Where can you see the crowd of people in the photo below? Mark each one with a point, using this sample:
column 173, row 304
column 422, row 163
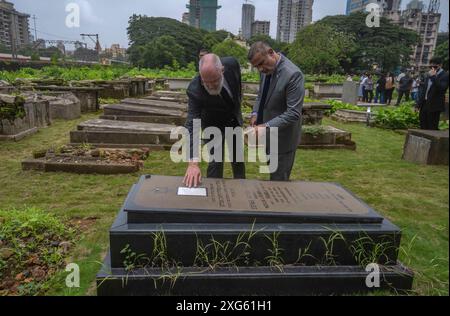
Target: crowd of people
column 380, row 89
column 427, row 90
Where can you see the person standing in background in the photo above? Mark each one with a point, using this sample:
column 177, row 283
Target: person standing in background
column 390, row 87
column 432, row 96
column 380, row 89
column 405, row 82
column 361, row 87
column 415, row 89
column 368, row 89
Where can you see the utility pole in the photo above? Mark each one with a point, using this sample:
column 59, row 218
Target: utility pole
column 13, row 40
column 35, row 30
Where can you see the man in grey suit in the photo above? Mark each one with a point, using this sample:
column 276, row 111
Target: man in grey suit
column 279, row 104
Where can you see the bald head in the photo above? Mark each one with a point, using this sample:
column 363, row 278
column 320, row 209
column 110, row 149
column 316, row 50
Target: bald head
column 211, row 73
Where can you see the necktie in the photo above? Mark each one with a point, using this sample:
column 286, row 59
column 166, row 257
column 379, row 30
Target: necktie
column 262, row 104
column 227, row 98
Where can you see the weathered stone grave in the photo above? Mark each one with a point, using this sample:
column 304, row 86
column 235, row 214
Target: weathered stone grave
column 427, row 147
column 171, row 96
column 22, row 116
column 63, row 105
column 352, row 116
column 122, row 134
column 328, row 90
column 84, row 160
column 314, row 112
column 350, row 92
column 326, row 137
column 88, row 96
column 242, row 237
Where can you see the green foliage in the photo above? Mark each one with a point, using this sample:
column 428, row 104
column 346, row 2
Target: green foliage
column 339, row 105
column 143, row 30
column 403, row 117
column 4, row 49
column 276, row 45
column 320, row 48
column 35, row 56
column 30, row 233
column 86, row 54
column 160, row 52
column 12, row 111
column 314, row 130
column 388, row 45
column 442, row 52
column 229, row 48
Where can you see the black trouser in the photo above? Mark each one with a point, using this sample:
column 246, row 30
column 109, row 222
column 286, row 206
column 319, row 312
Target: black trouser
column 429, row 120
column 400, row 96
column 215, row 168
column 389, row 94
column 285, row 165
column 368, row 96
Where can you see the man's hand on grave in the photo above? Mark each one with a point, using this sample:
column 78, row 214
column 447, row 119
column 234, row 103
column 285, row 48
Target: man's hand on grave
column 193, row 175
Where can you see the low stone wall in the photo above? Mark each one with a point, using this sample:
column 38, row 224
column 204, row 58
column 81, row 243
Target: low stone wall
column 350, row 116
column 328, row 90
column 178, row 84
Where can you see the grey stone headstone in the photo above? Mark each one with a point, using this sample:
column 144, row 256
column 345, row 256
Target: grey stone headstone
column 417, row 150
column 350, row 94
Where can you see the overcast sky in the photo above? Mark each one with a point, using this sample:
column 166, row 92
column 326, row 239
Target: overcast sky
column 109, row 18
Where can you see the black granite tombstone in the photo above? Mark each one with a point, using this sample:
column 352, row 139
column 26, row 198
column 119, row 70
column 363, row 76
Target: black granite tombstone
column 248, row 238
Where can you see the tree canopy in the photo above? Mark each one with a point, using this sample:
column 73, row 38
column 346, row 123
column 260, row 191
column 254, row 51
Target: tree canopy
column 320, row 49
column 388, row 46
column 229, row 48
column 187, row 40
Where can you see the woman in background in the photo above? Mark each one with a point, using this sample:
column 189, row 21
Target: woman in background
column 390, row 87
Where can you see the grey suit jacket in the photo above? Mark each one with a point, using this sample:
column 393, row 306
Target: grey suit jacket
column 284, row 104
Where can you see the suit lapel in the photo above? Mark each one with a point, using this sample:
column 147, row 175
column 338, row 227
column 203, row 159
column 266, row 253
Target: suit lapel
column 274, row 81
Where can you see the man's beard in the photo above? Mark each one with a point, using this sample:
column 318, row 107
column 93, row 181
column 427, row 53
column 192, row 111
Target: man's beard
column 215, row 92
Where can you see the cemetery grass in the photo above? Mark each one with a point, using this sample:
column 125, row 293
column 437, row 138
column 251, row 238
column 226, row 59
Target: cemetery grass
column 415, row 198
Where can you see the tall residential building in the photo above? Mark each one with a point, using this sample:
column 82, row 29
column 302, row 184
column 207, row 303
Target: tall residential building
column 360, row 5
column 293, row 15
column 185, row 18
column 203, row 14
column 426, row 23
column 248, row 17
column 261, row 28
column 14, row 26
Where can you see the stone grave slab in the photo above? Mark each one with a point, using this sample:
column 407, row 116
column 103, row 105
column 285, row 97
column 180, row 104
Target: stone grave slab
column 156, row 199
column 158, row 104
column 123, row 134
column 137, row 110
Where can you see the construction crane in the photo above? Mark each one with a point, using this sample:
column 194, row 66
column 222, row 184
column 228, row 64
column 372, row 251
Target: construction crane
column 434, row 6
column 96, row 41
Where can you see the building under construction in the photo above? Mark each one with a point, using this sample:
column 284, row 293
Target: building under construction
column 203, row 14
column 425, row 20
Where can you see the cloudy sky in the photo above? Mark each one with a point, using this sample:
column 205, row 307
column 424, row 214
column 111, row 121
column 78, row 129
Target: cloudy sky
column 109, row 18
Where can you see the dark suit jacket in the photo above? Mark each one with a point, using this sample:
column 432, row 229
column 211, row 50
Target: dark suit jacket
column 436, row 96
column 284, row 104
column 210, row 109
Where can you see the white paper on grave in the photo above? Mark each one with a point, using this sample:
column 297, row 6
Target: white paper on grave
column 201, row 192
